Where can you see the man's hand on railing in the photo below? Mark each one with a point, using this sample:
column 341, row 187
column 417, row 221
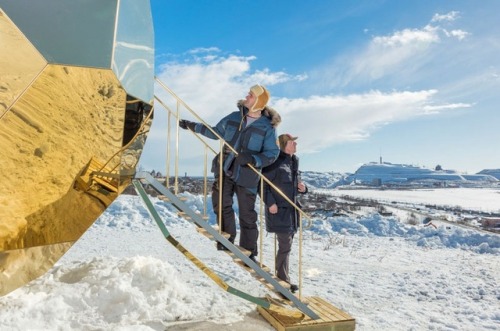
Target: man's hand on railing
column 185, row 124
column 244, row 159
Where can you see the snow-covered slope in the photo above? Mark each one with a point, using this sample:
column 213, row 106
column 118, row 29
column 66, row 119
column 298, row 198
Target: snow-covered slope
column 123, row 275
column 327, row 180
column 388, row 173
column 492, row 172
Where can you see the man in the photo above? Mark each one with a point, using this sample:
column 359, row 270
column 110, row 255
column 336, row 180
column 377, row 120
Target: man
column 281, row 217
column 251, row 131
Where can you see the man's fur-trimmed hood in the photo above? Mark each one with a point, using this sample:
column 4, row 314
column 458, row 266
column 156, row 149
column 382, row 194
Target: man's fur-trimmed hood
column 268, row 112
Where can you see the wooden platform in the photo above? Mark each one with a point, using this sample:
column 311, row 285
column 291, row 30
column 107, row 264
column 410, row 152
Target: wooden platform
column 332, row 318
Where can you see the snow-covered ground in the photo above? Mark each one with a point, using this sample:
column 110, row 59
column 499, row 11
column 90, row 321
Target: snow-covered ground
column 123, row 275
column 480, row 199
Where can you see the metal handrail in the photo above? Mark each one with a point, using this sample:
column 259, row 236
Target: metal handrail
column 223, row 145
column 209, row 127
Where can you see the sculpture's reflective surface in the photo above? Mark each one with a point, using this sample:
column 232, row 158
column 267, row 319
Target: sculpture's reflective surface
column 72, row 128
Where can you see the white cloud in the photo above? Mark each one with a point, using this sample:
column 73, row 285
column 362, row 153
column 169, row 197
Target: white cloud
column 383, row 56
column 430, row 109
column 212, row 89
column 451, row 16
column 213, row 84
column 323, row 121
column 203, row 50
column 386, row 54
column 397, row 57
column 459, row 34
column 427, row 35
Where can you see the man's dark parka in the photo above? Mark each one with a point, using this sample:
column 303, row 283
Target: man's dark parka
column 258, row 139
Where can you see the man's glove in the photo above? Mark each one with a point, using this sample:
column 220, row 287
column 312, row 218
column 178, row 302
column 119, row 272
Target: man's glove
column 245, row 158
column 185, row 124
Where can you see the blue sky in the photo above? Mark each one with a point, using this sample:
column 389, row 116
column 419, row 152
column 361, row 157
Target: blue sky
column 416, row 82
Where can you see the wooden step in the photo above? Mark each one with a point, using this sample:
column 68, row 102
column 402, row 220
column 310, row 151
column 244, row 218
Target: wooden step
column 242, row 264
column 281, row 282
column 163, row 198
column 271, row 287
column 183, row 214
column 262, row 280
column 244, row 250
column 209, row 236
column 263, row 267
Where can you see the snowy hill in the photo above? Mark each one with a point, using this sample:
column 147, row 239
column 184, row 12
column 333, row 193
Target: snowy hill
column 492, row 172
column 387, row 173
column 326, row 180
column 376, row 174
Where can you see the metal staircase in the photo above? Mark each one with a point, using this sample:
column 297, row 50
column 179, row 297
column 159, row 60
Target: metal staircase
column 281, row 301
column 239, row 255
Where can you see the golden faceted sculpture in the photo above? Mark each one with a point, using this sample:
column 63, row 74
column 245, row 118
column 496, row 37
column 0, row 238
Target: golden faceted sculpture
column 76, row 96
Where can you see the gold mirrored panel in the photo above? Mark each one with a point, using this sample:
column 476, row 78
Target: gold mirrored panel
column 133, row 56
column 18, row 267
column 70, row 135
column 20, row 62
column 68, row 123
column 71, row 32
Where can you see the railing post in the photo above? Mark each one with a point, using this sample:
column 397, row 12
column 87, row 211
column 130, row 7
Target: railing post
column 261, row 217
column 176, row 187
column 169, row 128
column 300, row 256
column 205, row 183
column 221, row 182
column 275, row 252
